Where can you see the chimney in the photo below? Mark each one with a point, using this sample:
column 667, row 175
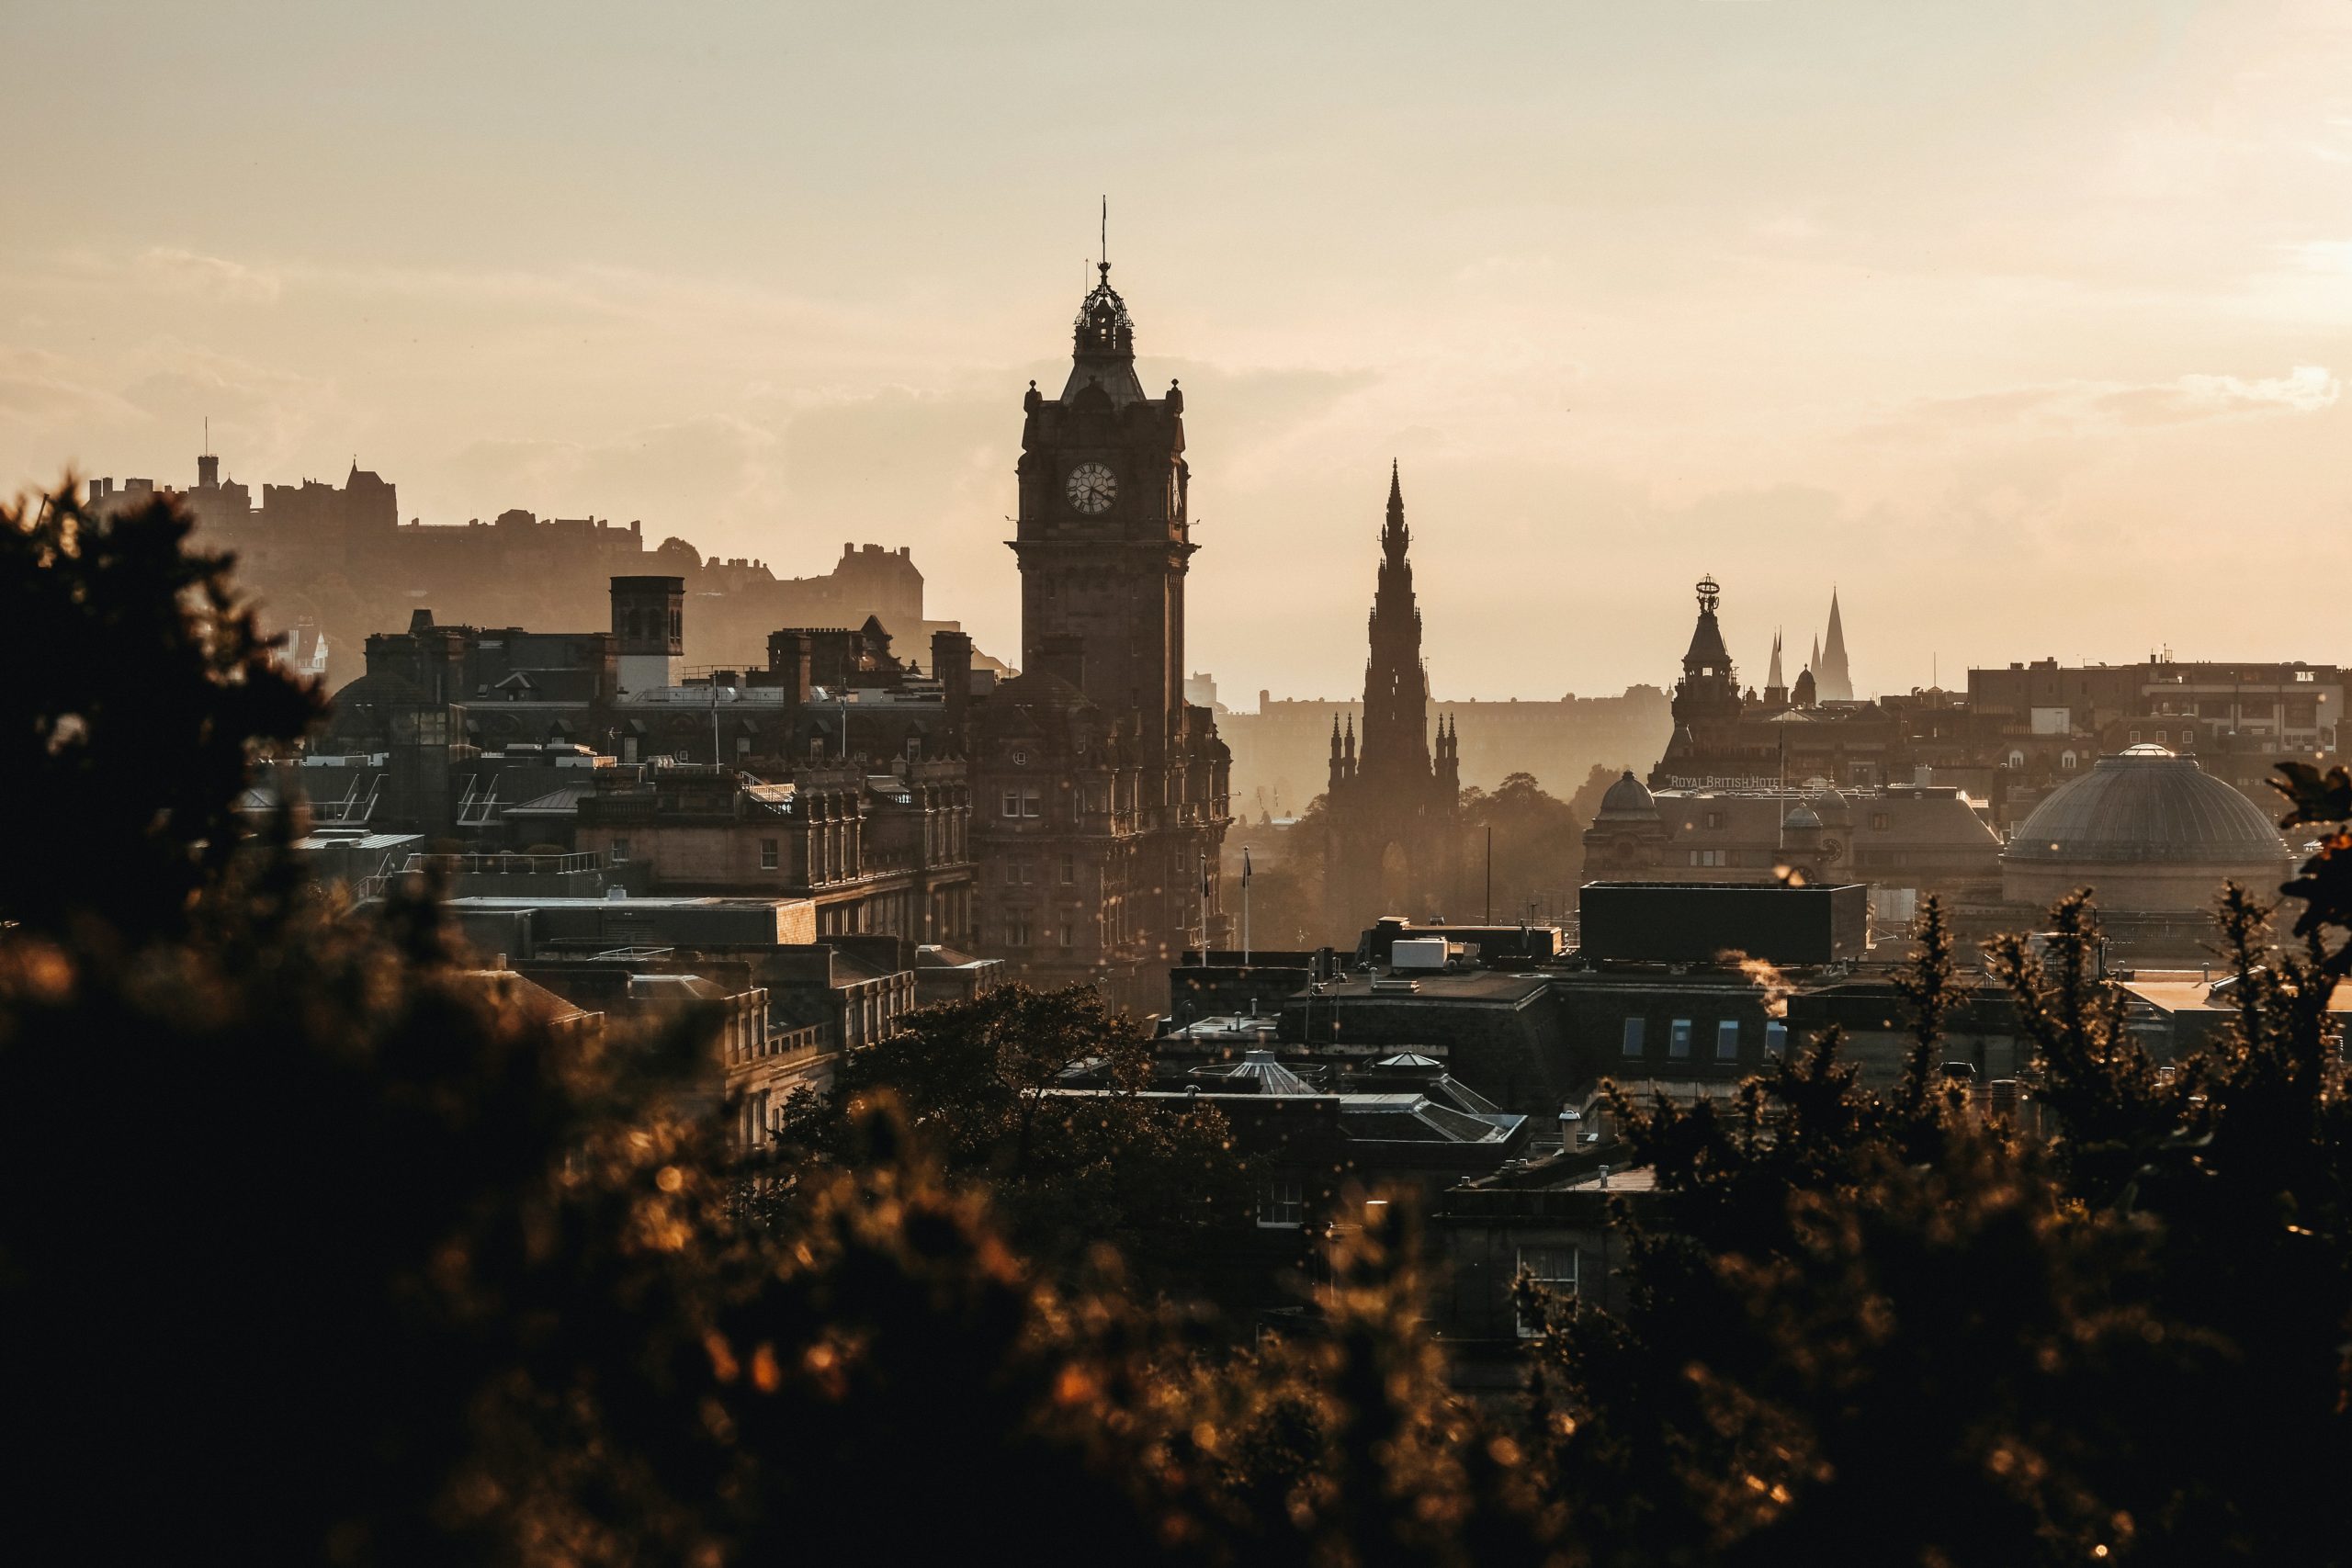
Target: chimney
column 790, row 656
column 951, row 661
column 419, row 621
column 1064, row 654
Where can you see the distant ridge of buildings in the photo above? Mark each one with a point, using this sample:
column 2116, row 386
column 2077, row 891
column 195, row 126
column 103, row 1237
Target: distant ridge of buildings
column 334, row 563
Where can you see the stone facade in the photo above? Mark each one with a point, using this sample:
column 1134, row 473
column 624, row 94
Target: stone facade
column 1101, row 793
column 886, row 853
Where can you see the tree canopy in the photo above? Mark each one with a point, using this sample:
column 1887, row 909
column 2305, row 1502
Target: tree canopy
column 1041, row 1097
column 324, row 1245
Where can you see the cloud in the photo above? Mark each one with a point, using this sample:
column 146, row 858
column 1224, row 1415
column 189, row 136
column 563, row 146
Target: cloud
column 39, row 389
column 2074, row 408
column 2306, row 389
column 210, row 278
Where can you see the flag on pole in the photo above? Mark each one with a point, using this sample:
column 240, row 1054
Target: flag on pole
column 1245, row 863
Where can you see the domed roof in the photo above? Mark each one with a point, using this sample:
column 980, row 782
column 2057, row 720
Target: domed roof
column 1628, row 797
column 1832, row 806
column 381, row 686
column 2147, row 805
column 1804, row 817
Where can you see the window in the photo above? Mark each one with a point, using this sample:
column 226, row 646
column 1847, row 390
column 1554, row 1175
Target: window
column 1070, row 871
column 1677, row 1038
column 1776, row 1038
column 1551, row 1269
column 769, row 854
column 1880, row 821
column 1709, row 857
column 1068, row 934
column 620, row 851
column 1714, row 819
column 2135, row 737
column 1012, row 803
column 1281, row 1204
column 2066, row 760
column 2162, row 736
column 1728, row 1040
column 742, row 746
column 1032, row 802
column 2017, row 758
column 1633, row 1036
column 1017, row 931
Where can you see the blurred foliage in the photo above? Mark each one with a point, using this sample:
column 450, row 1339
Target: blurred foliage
column 1040, row 1096
column 322, row 1244
column 149, row 685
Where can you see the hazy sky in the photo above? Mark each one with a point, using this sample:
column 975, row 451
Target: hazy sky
column 2027, row 323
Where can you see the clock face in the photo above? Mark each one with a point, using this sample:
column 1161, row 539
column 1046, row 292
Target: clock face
column 1092, row 488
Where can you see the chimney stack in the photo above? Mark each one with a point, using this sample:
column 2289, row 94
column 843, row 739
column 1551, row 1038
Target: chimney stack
column 791, row 655
column 951, row 663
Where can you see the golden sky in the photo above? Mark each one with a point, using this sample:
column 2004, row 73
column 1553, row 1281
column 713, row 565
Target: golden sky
column 2024, row 321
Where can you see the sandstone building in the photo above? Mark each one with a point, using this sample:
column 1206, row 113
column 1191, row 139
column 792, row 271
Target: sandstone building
column 1099, row 791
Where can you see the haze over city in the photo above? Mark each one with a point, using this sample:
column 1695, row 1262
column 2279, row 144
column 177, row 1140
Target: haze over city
column 1527, row 785
column 1999, row 317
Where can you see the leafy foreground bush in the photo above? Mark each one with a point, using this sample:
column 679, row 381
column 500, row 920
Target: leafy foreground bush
column 321, row 1246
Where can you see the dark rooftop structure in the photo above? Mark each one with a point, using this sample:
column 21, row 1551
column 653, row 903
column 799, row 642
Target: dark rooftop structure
column 1692, row 922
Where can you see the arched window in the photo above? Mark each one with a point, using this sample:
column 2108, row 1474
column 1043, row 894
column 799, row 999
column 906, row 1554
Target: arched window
column 2017, row 761
column 2066, row 760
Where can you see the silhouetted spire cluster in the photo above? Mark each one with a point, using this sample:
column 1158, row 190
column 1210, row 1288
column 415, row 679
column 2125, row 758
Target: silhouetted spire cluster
column 1395, row 684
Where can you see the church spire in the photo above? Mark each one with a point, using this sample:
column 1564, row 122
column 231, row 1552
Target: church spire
column 1396, row 685
column 1837, row 681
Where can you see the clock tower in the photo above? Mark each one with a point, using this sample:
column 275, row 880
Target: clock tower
column 1102, row 537
column 1102, row 792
